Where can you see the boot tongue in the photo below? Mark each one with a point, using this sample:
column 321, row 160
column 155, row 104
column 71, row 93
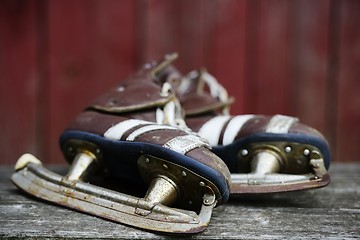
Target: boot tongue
column 196, row 99
column 142, row 90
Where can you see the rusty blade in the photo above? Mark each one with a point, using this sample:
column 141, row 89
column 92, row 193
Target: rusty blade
column 272, row 183
column 42, row 183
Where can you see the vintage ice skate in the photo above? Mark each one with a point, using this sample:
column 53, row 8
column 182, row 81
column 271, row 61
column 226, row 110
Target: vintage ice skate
column 136, row 133
column 264, row 153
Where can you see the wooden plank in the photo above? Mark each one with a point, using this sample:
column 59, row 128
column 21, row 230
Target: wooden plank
column 186, row 27
column 58, row 64
column 309, row 58
column 205, row 33
column 252, row 42
column 272, row 59
column 157, row 30
column 90, row 50
column 328, row 213
column 228, row 51
column 19, row 79
column 348, row 84
column 192, row 30
column 198, row 28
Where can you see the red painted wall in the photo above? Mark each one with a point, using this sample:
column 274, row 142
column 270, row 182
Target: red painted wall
column 298, row 58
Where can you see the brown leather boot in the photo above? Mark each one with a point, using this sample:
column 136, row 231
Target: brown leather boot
column 137, row 134
column 264, row 153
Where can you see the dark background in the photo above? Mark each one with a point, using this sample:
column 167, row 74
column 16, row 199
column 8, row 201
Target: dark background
column 300, row 58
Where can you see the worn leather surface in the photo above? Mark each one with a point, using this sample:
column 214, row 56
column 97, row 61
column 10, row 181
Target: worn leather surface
column 138, row 92
column 138, row 97
column 200, row 107
column 99, row 123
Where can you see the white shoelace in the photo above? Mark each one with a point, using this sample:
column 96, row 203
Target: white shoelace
column 170, row 114
column 216, row 89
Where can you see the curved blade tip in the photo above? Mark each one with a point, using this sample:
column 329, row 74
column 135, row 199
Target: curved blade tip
column 26, row 159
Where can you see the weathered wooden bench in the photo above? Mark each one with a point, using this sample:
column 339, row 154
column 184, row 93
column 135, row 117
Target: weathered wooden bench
column 332, row 212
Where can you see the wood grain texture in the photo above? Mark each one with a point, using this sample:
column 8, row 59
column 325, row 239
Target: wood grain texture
column 332, row 212
column 309, row 66
column 228, row 52
column 267, row 46
column 19, row 72
column 90, row 51
column 298, row 58
column 347, row 83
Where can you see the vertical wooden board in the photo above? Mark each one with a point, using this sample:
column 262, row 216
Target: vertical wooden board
column 192, row 34
column 205, row 33
column 266, row 57
column 18, row 79
column 309, row 58
column 164, row 27
column 228, row 50
column 197, row 33
column 199, row 29
column 157, row 29
column 272, row 92
column 71, row 68
column 348, row 108
column 187, row 27
column 251, row 55
column 91, row 48
column 114, row 43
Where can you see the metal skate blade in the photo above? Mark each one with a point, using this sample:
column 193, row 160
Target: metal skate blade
column 275, row 182
column 42, row 183
column 279, row 167
column 265, row 181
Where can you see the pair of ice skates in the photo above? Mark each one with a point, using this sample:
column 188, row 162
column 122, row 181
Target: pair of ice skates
column 173, row 136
